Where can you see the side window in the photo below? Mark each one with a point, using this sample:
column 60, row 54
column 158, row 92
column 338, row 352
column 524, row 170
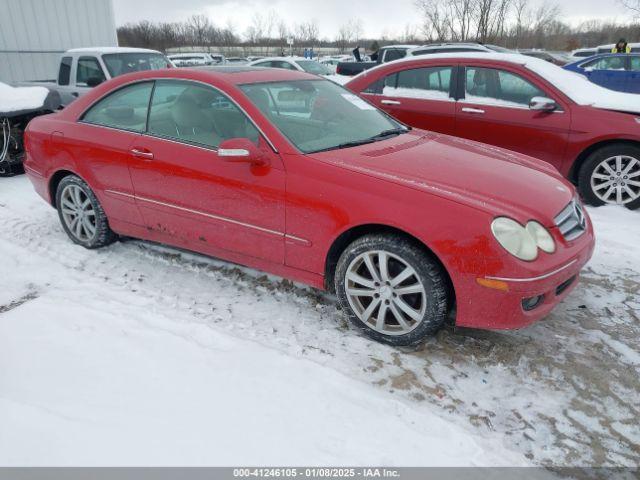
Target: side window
column 376, row 87
column 393, row 54
column 197, row 114
column 634, row 63
column 88, row 67
column 64, row 75
column 605, row 63
column 426, row 83
column 499, row 87
column 263, row 64
column 285, row 65
column 126, row 108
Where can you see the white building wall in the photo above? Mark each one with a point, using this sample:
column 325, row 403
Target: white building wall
column 34, row 33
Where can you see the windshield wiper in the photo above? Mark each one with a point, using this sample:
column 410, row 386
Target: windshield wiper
column 390, row 132
column 353, row 143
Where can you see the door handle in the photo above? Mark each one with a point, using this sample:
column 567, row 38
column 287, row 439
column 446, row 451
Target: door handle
column 141, row 154
column 390, row 102
column 75, row 94
column 477, row 111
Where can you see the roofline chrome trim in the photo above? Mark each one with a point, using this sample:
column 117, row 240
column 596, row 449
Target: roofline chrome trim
column 533, row 279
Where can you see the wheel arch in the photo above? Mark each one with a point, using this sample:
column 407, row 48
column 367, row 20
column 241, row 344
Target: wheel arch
column 349, row 236
column 581, row 158
column 55, row 180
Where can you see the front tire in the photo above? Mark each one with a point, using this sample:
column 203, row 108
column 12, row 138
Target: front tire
column 392, row 289
column 81, row 214
column 611, row 175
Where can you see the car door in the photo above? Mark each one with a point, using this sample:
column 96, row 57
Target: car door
column 103, row 139
column 421, row 97
column 608, row 71
column 633, row 83
column 494, row 109
column 189, row 194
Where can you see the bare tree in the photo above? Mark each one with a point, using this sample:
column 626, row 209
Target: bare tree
column 632, row 5
column 200, row 26
column 343, row 38
column 436, row 22
column 490, row 16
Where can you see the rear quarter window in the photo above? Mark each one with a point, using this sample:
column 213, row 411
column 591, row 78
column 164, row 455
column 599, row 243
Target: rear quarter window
column 125, row 108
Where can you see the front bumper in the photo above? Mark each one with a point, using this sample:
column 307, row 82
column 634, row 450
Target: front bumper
column 488, row 308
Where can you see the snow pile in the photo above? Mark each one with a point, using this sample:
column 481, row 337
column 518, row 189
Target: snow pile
column 138, row 354
column 15, row 99
column 95, row 371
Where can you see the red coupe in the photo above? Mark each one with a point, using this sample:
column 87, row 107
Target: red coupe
column 590, row 134
column 292, row 174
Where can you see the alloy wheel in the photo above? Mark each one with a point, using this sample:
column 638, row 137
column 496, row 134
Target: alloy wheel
column 385, row 292
column 78, row 213
column 616, row 180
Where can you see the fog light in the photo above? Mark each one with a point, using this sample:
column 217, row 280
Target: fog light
column 529, row 304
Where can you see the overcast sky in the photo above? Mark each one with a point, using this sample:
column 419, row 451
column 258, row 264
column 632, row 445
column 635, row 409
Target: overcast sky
column 378, row 16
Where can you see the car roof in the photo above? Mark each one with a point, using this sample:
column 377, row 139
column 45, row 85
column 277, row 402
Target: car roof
column 102, row 50
column 399, row 46
column 229, row 75
column 609, row 54
column 436, row 46
column 191, row 54
column 294, row 59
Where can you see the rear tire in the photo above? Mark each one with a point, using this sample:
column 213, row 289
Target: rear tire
column 81, row 214
column 391, row 289
column 611, row 175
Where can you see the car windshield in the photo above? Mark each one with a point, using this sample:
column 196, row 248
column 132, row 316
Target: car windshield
column 318, row 115
column 121, row 63
column 311, row 66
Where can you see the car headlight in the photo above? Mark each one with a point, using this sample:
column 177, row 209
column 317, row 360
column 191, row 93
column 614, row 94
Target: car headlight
column 515, row 238
column 542, row 237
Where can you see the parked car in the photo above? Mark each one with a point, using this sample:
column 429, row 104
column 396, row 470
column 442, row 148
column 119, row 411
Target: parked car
column 455, row 47
column 524, row 104
column 196, row 59
column 81, row 69
column 294, row 63
column 385, row 54
column 581, row 53
column 330, row 63
column 237, row 60
column 615, row 71
column 552, row 57
column 290, row 173
column 635, row 47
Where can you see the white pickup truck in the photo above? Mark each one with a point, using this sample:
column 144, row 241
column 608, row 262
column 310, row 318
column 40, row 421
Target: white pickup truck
column 84, row 68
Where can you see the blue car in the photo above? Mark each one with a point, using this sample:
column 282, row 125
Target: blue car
column 614, row 71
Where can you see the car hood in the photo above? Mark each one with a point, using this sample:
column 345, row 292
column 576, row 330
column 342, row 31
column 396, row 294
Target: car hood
column 488, row 178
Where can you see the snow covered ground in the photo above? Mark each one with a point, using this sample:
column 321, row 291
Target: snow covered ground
column 139, row 354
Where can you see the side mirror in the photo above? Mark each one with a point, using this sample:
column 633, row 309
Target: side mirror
column 542, row 104
column 94, row 81
column 241, row 150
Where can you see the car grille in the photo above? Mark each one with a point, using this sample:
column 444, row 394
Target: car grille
column 571, row 221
